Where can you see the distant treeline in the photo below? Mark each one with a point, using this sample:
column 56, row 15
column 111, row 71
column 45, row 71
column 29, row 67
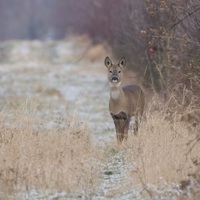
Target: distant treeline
column 158, row 37
column 50, row 19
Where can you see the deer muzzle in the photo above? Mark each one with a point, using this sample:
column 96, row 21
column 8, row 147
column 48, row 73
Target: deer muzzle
column 115, row 79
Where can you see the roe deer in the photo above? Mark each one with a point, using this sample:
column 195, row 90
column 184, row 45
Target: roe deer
column 125, row 102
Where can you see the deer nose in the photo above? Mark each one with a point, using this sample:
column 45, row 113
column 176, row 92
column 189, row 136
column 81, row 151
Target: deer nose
column 115, row 79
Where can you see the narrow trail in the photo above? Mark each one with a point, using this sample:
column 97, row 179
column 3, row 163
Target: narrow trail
column 116, row 182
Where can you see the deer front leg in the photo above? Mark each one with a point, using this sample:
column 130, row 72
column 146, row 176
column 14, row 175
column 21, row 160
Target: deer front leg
column 119, row 129
column 121, row 122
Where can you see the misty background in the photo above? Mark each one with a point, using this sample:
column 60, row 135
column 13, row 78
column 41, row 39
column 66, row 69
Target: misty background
column 50, row 19
column 130, row 28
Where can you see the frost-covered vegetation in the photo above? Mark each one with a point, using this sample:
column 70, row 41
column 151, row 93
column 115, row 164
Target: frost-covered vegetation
column 57, row 138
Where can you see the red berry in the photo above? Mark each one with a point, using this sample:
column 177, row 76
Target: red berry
column 151, row 51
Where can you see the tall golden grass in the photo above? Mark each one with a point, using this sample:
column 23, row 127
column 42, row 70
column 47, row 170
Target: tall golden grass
column 166, row 150
column 32, row 157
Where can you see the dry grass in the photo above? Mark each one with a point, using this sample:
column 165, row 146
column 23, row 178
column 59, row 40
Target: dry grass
column 57, row 159
column 166, row 150
column 97, row 52
column 64, row 159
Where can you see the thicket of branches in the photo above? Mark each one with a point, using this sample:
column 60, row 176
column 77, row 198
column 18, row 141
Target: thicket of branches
column 169, row 27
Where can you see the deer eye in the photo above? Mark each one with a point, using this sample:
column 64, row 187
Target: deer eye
column 119, row 71
column 110, row 71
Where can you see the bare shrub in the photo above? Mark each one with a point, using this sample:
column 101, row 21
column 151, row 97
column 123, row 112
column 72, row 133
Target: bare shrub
column 176, row 43
column 57, row 159
column 169, row 27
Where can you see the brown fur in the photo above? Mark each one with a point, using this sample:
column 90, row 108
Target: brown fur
column 125, row 102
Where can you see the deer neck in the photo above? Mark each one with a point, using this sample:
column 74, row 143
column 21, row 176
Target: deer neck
column 116, row 93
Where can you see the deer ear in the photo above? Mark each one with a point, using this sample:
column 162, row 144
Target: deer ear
column 108, row 62
column 122, row 63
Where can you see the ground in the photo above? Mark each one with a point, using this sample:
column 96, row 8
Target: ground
column 54, row 109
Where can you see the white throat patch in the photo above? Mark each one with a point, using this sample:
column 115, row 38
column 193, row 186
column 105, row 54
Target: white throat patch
column 115, row 94
column 115, row 84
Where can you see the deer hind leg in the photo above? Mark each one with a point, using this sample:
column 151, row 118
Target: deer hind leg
column 136, row 125
column 126, row 127
column 138, row 117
